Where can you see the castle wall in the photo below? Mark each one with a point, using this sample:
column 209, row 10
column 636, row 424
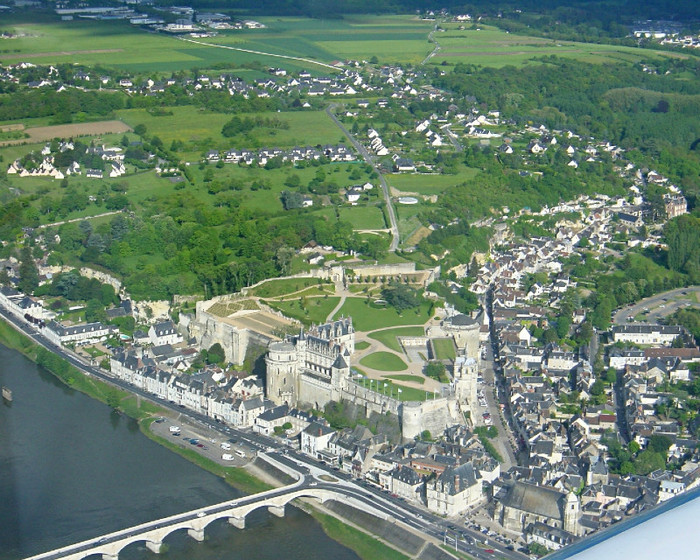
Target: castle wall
column 208, row 330
column 432, row 415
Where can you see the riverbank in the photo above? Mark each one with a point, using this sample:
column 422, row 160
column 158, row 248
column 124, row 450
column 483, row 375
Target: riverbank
column 249, row 480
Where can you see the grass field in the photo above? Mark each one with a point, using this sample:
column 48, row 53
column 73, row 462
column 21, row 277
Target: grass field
column 383, row 361
column 363, row 217
column 282, row 286
column 405, row 377
column 192, row 126
column 366, row 546
column 493, row 47
column 367, row 318
column 392, row 388
column 120, row 45
column 428, row 184
column 389, row 338
column 315, row 311
column 444, row 349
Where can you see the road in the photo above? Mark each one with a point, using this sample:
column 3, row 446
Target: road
column 80, row 219
column 504, row 442
column 431, row 38
column 385, row 188
column 297, row 58
column 660, row 305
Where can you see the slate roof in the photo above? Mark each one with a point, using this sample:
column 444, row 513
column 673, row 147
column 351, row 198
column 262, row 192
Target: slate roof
column 534, row 499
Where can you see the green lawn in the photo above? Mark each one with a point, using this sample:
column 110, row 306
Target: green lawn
column 383, row 361
column 389, row 338
column 428, row 184
column 282, row 286
column 367, row 318
column 363, row 217
column 392, row 389
column 365, row 546
column 444, row 349
column 411, row 378
column 316, row 309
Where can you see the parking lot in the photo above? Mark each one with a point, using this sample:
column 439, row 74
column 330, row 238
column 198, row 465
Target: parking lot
column 207, row 442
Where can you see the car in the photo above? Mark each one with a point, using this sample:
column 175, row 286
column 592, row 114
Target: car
column 201, row 514
column 313, row 483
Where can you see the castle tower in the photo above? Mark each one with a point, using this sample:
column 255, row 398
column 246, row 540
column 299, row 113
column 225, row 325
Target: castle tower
column 465, row 331
column 465, row 374
column 281, row 364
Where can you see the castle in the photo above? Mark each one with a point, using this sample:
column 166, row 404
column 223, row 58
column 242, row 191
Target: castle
column 312, row 367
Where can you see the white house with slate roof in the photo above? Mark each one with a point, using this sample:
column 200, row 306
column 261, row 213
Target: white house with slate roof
column 646, row 333
column 164, row 333
column 80, row 334
column 455, row 490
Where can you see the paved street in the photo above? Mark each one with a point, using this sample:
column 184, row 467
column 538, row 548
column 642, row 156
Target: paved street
column 661, row 305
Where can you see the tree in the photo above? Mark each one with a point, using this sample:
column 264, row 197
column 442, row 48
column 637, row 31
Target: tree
column 659, row 443
column 28, row 272
column 436, row 370
column 113, row 398
column 216, row 354
column 401, row 297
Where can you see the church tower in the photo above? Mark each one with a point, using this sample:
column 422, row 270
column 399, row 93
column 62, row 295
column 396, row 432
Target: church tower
column 572, row 510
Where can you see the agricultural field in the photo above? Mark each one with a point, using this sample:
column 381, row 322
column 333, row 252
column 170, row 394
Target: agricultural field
column 197, row 128
column 496, row 48
column 121, row 45
column 357, row 37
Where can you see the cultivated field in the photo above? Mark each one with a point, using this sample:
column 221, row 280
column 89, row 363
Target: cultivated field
column 43, row 133
column 120, row 45
column 490, row 46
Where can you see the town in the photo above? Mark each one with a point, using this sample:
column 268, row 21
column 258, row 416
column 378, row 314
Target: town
column 521, row 362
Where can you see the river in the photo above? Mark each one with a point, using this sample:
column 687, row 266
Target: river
column 70, row 470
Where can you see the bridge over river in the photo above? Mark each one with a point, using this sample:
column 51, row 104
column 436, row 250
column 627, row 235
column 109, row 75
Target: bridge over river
column 235, row 511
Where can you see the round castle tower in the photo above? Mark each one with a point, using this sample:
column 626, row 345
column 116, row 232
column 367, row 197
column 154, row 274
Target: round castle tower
column 281, row 363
